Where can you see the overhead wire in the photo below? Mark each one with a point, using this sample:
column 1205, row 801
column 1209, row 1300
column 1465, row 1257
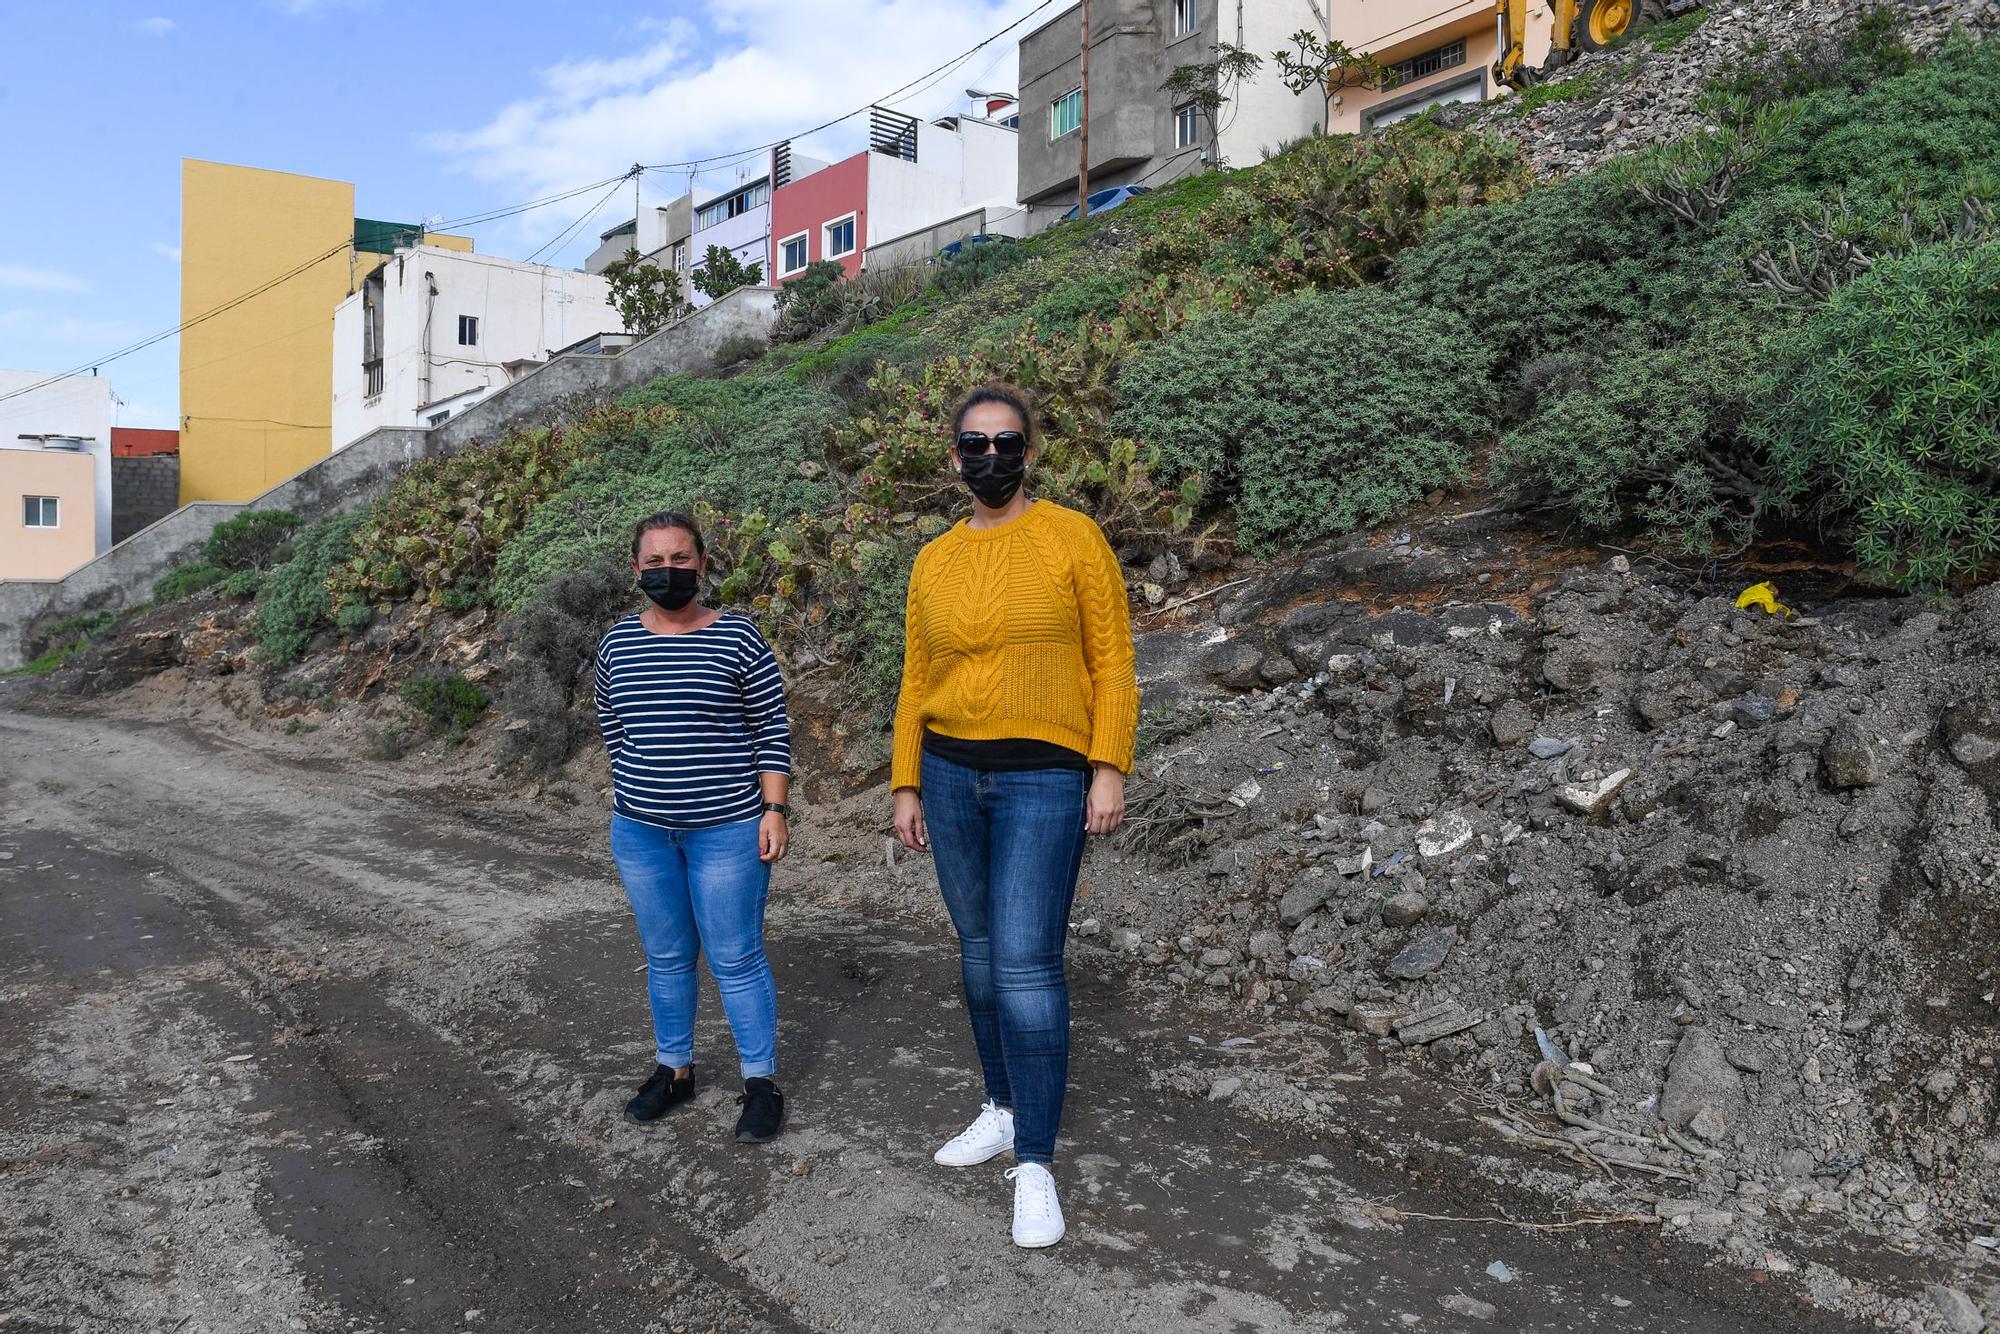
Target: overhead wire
column 492, row 215
column 563, row 237
column 928, row 79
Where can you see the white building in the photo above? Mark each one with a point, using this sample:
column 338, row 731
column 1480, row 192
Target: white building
column 434, row 331
column 55, row 473
column 737, row 216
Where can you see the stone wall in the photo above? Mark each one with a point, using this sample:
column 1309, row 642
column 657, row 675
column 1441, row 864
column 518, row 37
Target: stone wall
column 144, row 489
column 123, row 577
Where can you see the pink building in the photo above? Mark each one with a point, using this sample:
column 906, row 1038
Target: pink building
column 913, row 177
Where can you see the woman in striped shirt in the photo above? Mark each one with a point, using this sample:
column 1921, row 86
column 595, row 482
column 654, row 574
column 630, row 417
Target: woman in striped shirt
column 693, row 714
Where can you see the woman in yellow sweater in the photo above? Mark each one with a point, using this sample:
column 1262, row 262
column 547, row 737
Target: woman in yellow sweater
column 1014, row 734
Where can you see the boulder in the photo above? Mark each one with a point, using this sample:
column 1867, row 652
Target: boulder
column 1424, row 957
column 1700, row 1078
column 1847, row 757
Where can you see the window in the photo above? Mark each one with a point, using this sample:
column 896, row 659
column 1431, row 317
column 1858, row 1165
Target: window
column 373, row 370
column 839, row 238
column 1187, row 125
column 39, row 511
column 680, row 257
column 468, row 331
column 1449, row 56
column 1187, row 16
column 439, row 418
column 729, row 206
column 1066, row 114
column 792, row 254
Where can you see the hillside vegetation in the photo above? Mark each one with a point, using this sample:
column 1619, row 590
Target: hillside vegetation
column 1788, row 323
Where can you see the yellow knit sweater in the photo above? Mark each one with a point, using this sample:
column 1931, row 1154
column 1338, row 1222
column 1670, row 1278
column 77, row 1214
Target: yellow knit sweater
column 1019, row 631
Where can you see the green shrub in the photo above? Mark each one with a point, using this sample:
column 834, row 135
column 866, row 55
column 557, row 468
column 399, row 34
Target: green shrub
column 999, row 304
column 296, row 602
column 1580, row 88
column 249, row 540
column 183, row 580
column 1094, row 296
column 441, row 527
column 1883, row 413
column 549, row 646
column 844, row 366
column 869, row 627
column 743, row 445
column 448, row 701
column 1669, row 34
column 1319, row 413
column 1554, row 270
column 1644, row 429
column 808, row 302
column 243, row 584
column 1918, row 142
column 974, row 266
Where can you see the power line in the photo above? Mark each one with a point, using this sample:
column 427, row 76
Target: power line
column 287, row 277
column 563, row 236
column 697, row 163
column 692, row 165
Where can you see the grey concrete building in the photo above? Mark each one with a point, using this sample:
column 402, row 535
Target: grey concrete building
column 661, row 233
column 1137, row 135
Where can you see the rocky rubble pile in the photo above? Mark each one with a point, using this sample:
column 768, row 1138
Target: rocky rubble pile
column 1638, row 96
column 1732, row 862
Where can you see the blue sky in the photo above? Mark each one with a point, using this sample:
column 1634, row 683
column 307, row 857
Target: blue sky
column 429, row 109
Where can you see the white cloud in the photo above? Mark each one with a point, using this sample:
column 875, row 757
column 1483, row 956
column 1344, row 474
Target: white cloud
column 156, row 26
column 39, row 280
column 171, row 253
column 739, row 73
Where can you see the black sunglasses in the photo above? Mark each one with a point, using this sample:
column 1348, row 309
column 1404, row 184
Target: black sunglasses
column 1007, row 444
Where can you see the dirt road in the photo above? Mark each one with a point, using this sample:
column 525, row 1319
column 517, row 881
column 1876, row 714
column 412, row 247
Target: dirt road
column 287, row 1048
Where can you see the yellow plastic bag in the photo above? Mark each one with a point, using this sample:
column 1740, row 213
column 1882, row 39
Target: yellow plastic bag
column 1764, row 597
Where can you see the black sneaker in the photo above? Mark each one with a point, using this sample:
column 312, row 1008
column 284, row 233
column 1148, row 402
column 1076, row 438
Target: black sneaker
column 659, row 1094
column 763, row 1112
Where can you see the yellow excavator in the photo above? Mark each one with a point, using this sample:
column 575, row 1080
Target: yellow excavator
column 1571, row 26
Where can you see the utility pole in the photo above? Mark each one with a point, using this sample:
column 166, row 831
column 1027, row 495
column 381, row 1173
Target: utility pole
column 637, row 172
column 1083, row 115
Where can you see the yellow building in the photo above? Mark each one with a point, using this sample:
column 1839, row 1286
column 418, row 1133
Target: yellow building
column 265, row 257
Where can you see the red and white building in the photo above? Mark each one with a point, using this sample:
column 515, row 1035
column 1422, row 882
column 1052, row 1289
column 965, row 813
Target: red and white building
column 914, row 177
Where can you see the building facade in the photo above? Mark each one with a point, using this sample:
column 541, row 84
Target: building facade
column 737, row 216
column 55, row 473
column 434, row 330
column 265, row 258
column 1139, row 135
column 662, row 233
column 1435, row 53
column 913, row 176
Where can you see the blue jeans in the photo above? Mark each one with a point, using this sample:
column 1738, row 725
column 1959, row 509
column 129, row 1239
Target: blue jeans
column 1008, row 846
column 696, row 890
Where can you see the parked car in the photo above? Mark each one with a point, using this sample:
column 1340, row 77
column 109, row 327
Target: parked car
column 1110, row 198
column 960, row 246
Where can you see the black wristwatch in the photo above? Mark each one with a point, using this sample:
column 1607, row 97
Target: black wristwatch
column 780, row 807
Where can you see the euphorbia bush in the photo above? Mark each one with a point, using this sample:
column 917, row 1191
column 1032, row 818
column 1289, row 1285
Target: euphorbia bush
column 1884, row 414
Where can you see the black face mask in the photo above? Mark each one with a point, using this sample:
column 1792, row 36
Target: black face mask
column 994, row 478
column 671, row 586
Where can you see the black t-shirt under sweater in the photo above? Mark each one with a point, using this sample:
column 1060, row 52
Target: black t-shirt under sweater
column 1012, row 753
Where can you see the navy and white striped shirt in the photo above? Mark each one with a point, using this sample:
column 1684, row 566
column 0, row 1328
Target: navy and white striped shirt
column 690, row 720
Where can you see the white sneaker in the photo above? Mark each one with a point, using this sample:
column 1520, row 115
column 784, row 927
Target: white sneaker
column 1038, row 1219
column 989, row 1136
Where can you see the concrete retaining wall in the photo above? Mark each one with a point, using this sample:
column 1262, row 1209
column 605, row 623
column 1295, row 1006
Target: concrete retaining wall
column 123, row 577
column 145, row 488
